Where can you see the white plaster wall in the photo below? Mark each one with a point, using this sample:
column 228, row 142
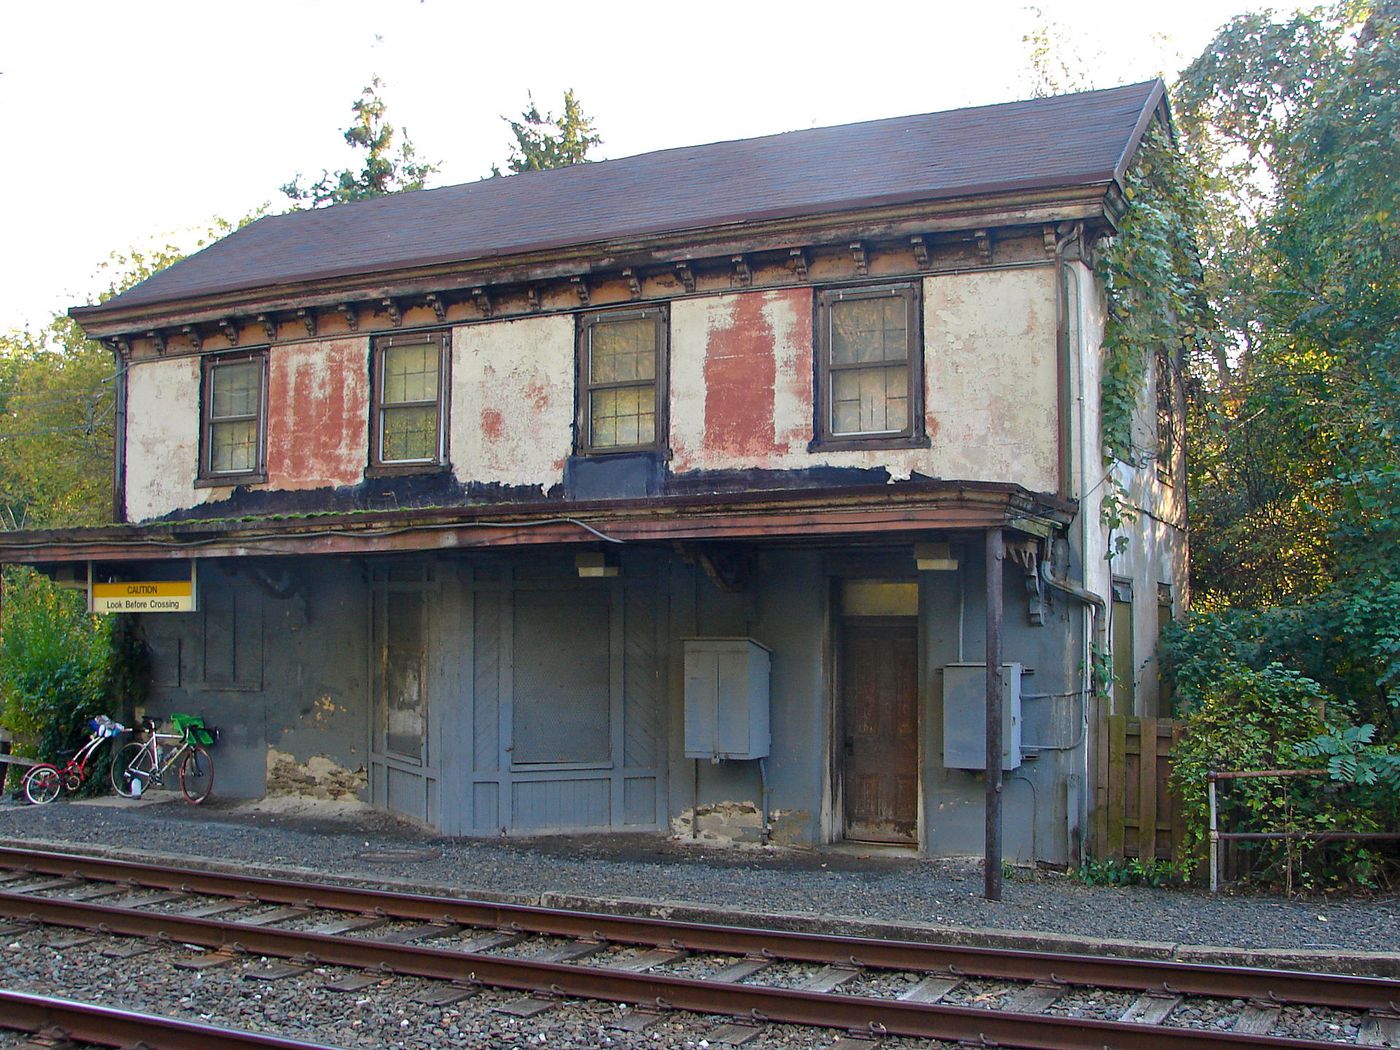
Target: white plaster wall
column 513, row 401
column 990, row 376
column 991, row 397
column 162, row 438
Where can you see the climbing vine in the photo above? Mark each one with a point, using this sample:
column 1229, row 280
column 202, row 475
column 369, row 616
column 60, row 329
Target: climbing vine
column 1151, row 273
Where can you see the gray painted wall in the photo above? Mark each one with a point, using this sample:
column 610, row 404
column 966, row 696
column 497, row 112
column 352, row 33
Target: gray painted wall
column 293, row 674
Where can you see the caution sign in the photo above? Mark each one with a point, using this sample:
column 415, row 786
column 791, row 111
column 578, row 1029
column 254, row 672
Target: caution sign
column 153, row 596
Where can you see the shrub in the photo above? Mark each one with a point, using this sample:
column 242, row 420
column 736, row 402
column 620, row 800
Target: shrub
column 55, row 665
column 1247, row 719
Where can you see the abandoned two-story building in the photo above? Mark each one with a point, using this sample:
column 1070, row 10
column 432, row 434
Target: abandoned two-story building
column 655, row 493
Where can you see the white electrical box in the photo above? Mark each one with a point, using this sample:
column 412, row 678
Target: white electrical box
column 965, row 716
column 726, row 698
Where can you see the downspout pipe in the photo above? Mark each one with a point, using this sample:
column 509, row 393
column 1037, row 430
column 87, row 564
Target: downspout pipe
column 1095, row 602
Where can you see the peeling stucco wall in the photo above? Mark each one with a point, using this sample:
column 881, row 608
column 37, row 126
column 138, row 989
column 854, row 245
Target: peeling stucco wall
column 742, row 389
column 513, row 401
column 162, row 438
column 741, row 380
column 990, row 376
column 318, row 408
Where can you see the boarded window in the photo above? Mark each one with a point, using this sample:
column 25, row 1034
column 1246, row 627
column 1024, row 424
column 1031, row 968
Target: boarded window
column 1124, row 676
column 869, row 370
column 621, row 366
column 561, row 688
column 1166, row 417
column 235, row 400
column 402, row 698
column 408, row 402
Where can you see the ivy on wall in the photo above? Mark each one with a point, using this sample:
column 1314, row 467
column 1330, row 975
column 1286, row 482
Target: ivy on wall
column 1151, row 274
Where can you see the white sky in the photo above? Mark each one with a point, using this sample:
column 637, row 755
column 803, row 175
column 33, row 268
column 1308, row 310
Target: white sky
column 134, row 120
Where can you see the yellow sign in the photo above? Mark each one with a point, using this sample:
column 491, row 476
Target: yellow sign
column 151, row 596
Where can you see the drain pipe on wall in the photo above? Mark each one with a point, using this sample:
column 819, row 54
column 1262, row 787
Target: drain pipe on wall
column 1096, row 633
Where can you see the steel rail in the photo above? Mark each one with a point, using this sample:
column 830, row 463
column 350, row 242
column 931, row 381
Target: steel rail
column 885, row 1017
column 1144, row 975
column 107, row 1026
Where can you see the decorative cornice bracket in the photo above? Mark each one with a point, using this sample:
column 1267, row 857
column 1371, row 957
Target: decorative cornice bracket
column 859, row 257
column 797, row 259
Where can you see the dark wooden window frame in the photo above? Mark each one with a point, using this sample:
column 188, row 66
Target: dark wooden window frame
column 209, row 365
column 583, row 425
column 378, row 466
column 912, row 435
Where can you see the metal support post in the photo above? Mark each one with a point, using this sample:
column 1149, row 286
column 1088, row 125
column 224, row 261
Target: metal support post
column 995, row 557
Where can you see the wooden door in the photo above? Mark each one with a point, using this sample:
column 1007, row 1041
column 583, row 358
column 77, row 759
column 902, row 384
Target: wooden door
column 880, row 691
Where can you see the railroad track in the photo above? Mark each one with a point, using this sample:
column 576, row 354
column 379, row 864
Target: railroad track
column 863, row 986
column 63, row 1022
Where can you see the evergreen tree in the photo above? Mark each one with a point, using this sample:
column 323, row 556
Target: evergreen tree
column 544, row 141
column 383, row 171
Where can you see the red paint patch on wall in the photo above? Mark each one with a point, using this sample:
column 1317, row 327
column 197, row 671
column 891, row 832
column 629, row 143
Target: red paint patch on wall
column 491, row 423
column 317, row 415
column 740, row 371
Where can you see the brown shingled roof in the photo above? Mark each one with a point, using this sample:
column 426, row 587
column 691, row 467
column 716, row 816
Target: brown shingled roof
column 1065, row 141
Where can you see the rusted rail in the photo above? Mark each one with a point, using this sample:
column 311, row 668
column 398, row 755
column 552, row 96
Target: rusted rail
column 1357, row 993
column 105, row 1026
column 928, row 1019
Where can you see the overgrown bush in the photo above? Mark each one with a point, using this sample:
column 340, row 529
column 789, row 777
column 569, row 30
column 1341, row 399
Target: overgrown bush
column 1240, row 718
column 56, row 665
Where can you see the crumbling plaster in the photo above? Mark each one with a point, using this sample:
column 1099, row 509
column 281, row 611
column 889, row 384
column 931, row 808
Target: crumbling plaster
column 512, row 406
column 742, row 389
column 318, row 404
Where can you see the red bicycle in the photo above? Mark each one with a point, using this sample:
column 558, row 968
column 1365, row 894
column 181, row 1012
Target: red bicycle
column 44, row 782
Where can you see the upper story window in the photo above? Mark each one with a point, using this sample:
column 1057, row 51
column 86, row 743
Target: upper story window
column 870, row 367
column 234, row 418
column 622, row 380
column 1166, row 417
column 408, row 428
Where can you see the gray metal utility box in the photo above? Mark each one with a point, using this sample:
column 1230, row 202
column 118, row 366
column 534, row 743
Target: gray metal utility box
column 965, row 716
column 726, row 698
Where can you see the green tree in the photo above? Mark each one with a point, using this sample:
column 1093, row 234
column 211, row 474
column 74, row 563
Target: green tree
column 544, row 141
column 1296, row 488
column 57, row 400
column 383, row 170
column 1295, row 448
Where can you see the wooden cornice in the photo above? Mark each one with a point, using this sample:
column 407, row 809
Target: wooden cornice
column 597, row 261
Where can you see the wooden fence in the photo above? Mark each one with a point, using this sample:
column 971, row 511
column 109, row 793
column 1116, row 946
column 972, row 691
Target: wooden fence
column 1135, row 813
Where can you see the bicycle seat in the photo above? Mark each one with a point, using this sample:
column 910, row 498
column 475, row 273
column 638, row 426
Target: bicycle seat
column 150, row 724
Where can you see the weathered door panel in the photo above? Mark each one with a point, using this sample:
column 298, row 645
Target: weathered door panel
column 562, row 676
column 879, row 695
column 403, row 771
column 568, row 730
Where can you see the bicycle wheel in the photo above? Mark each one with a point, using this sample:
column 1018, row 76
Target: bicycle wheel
column 196, row 774
column 42, row 784
column 131, row 770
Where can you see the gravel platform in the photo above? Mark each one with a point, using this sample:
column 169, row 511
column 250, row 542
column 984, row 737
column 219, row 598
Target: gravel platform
column 870, row 893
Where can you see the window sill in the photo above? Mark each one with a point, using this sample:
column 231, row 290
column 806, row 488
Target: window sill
column 228, row 481
column 395, row 470
column 622, row 450
column 852, row 444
